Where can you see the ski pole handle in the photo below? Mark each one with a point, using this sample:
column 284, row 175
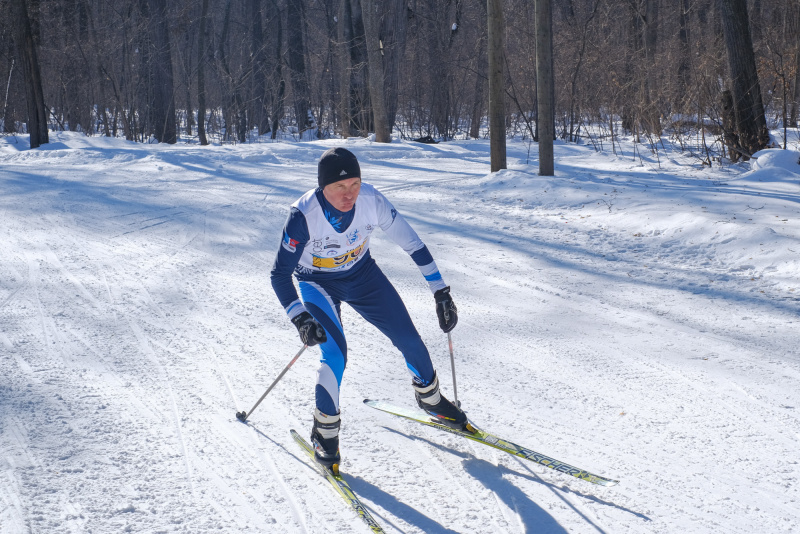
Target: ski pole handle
column 242, row 416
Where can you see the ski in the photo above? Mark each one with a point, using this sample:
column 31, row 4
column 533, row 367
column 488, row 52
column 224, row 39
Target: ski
column 493, row 441
column 340, row 485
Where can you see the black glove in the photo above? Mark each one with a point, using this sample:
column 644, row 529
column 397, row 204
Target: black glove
column 311, row 332
column 445, row 309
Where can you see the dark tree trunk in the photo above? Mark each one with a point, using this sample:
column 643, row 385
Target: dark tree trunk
column 394, row 37
column 684, row 50
column 728, row 115
column 481, row 80
column 278, row 99
column 354, row 96
column 187, row 72
column 630, row 117
column 640, row 114
column 296, row 55
column 750, row 121
column 375, row 57
column 162, row 93
column 70, row 101
column 442, row 87
column 650, row 114
column 233, row 114
column 497, row 106
column 357, row 92
column 345, row 28
column 258, row 55
column 29, row 59
column 796, row 89
column 544, row 85
column 201, row 74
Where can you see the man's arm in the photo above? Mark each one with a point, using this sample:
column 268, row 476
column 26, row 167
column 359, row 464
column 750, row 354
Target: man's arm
column 295, row 236
column 399, row 231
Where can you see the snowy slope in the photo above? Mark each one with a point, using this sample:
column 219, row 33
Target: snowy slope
column 636, row 319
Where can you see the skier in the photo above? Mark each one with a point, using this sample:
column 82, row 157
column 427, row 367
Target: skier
column 326, row 245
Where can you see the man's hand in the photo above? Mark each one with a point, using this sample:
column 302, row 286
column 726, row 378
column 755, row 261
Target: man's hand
column 446, row 309
column 311, row 332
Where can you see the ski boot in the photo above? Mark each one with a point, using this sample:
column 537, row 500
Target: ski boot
column 435, row 404
column 325, row 439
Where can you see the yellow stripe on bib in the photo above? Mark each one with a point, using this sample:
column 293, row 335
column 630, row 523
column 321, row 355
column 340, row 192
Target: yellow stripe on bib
column 338, row 261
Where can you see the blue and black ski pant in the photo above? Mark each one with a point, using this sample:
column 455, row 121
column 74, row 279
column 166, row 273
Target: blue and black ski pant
column 371, row 294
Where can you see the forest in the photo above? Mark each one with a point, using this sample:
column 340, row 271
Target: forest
column 236, row 71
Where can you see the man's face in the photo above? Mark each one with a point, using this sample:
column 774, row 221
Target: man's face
column 343, row 194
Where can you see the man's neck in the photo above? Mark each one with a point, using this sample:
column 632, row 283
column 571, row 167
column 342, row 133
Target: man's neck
column 340, row 220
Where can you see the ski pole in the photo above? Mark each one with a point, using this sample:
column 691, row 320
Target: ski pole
column 242, row 416
column 453, row 367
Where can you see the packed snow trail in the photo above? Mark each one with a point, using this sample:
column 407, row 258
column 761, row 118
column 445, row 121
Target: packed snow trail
column 635, row 319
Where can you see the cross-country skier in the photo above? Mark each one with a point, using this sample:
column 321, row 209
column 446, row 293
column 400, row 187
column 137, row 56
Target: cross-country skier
column 326, row 246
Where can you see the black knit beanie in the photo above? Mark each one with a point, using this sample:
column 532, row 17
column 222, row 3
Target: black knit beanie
column 337, row 164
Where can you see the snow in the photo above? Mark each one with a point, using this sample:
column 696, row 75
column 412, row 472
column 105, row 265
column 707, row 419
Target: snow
column 636, row 316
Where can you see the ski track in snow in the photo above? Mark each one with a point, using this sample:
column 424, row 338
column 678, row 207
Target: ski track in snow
column 638, row 321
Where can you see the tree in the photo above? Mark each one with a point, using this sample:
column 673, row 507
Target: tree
column 277, row 79
column 650, row 115
column 497, row 106
column 301, row 91
column 479, row 90
column 750, row 125
column 370, row 16
column 159, row 65
column 354, row 97
column 393, row 39
column 544, row 85
column 640, row 113
column 29, row 58
column 259, row 58
column 201, row 74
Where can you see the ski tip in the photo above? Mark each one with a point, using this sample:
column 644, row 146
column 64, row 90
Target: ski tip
column 597, row 479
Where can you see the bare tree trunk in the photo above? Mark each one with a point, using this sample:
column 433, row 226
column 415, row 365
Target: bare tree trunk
column 796, row 90
column 357, row 94
column 258, row 56
column 345, row 39
column 234, row 115
column 162, row 103
column 544, row 85
column 201, row 74
column 34, row 95
column 574, row 106
column 394, row 34
column 684, row 51
column 375, row 58
column 278, row 100
column 748, row 107
column 187, row 73
column 296, row 55
column 650, row 113
column 497, row 106
column 479, row 95
column 630, row 113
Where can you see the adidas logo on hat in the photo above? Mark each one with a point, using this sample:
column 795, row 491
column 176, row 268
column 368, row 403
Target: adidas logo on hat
column 343, row 173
